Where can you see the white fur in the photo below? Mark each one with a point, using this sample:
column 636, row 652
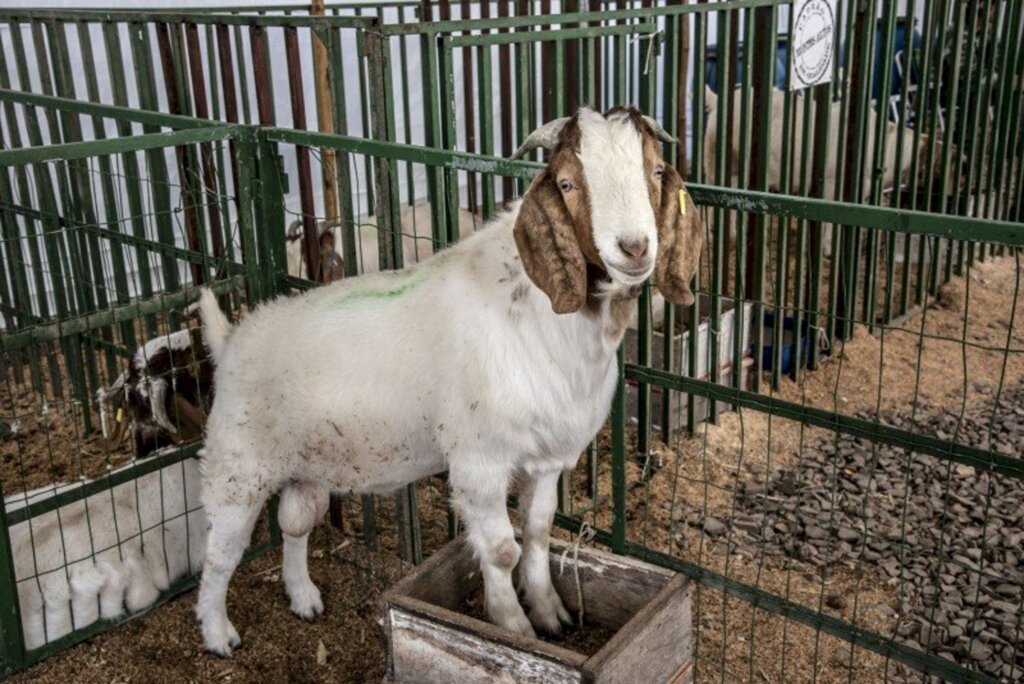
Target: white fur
column 91, row 559
column 457, row 363
column 611, row 152
column 216, row 328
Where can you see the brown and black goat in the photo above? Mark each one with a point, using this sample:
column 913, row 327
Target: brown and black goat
column 164, row 395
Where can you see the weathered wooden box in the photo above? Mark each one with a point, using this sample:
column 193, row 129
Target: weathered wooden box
column 648, row 608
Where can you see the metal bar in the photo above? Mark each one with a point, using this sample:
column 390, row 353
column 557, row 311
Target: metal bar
column 343, row 161
column 901, row 220
column 12, row 639
column 159, row 185
column 540, row 36
column 74, row 325
column 129, row 160
column 526, row 19
column 93, row 148
column 227, row 82
column 101, row 484
column 618, row 419
column 113, row 235
column 310, row 239
column 177, row 104
column 250, row 20
column 324, row 112
column 833, row 421
column 201, row 108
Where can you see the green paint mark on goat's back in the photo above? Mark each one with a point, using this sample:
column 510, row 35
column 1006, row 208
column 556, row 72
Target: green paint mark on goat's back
column 409, row 281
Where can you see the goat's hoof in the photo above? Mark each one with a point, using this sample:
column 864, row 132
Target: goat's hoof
column 220, row 637
column 549, row 614
column 306, row 602
column 514, row 621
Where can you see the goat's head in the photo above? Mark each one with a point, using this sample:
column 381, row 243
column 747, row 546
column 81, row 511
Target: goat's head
column 608, row 199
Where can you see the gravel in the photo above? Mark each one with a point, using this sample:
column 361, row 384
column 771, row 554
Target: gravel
column 947, row 537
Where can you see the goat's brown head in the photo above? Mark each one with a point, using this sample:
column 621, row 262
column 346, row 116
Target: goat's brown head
column 608, row 199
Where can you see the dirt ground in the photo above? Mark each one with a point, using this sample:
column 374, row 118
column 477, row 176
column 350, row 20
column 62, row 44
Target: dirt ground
column 951, row 356
column 163, row 645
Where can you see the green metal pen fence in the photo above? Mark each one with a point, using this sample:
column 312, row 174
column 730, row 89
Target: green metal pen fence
column 795, row 282
column 614, row 493
column 104, row 242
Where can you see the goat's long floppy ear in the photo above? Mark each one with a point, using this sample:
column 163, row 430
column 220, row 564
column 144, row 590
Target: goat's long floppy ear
column 548, row 248
column 680, row 234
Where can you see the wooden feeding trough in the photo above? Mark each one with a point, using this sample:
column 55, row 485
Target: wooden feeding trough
column 646, row 610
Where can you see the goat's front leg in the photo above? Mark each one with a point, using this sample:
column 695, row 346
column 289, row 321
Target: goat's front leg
column 480, row 494
column 537, row 502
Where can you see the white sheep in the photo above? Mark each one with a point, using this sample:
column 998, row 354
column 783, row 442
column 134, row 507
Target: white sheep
column 112, row 551
column 494, row 359
column 890, row 175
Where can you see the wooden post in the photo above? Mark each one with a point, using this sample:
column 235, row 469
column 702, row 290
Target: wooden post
column 328, row 171
column 325, row 116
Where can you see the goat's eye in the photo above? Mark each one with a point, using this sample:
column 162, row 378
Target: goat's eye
column 659, row 172
column 565, row 184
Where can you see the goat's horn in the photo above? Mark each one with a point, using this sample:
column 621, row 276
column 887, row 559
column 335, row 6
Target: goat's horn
column 546, row 136
column 660, row 132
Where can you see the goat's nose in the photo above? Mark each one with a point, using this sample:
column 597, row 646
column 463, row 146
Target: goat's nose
column 636, row 249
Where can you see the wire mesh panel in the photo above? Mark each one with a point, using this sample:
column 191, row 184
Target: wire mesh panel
column 106, row 380
column 869, row 500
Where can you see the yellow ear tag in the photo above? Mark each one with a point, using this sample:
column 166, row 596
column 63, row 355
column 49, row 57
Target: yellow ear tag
column 120, row 415
column 682, row 202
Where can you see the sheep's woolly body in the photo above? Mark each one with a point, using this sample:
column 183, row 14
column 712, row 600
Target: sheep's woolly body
column 112, row 552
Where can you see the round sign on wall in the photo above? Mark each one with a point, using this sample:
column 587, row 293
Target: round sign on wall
column 812, row 42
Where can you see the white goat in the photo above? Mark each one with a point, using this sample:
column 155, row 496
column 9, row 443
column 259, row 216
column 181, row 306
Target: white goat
column 113, row 550
column 494, row 359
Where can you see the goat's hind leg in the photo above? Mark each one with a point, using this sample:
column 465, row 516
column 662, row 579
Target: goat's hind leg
column 232, row 506
column 302, row 506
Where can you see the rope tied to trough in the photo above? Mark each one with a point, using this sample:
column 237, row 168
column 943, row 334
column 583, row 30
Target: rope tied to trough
column 586, row 536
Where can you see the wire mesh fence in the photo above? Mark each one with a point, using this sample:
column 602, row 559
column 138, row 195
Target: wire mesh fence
column 827, row 440
column 106, row 381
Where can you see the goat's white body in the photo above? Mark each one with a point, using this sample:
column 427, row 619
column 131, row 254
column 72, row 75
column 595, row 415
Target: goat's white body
column 460, row 362
column 469, row 362
column 115, row 550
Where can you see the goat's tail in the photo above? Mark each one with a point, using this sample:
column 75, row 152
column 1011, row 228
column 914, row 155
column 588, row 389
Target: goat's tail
column 216, row 326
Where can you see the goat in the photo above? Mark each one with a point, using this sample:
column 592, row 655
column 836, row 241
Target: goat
column 115, row 550
column 417, row 242
column 165, row 393
column 522, row 319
